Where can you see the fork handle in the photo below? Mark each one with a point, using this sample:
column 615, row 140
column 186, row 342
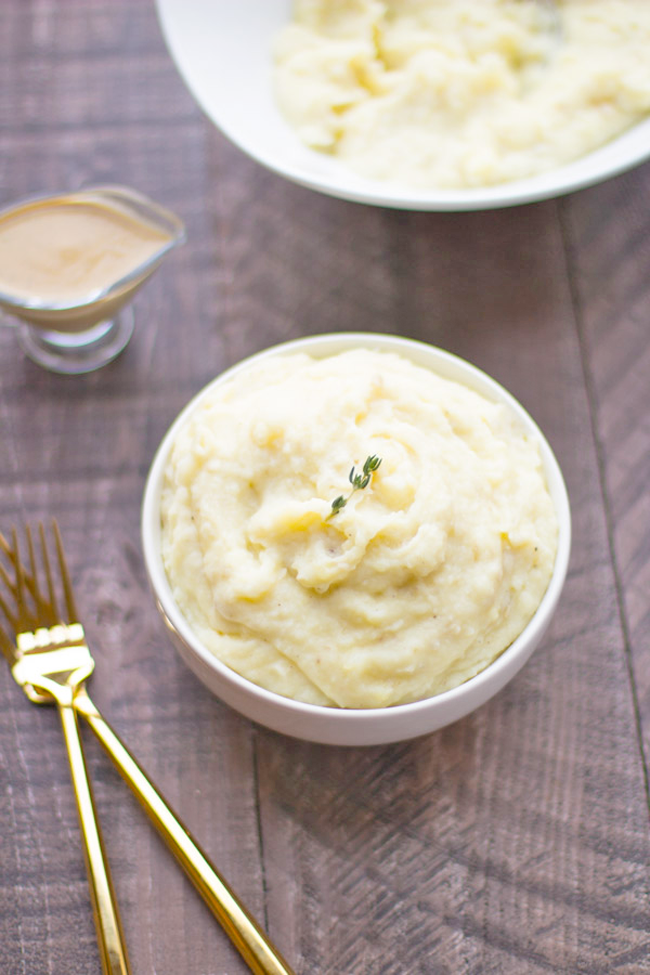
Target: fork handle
column 247, row 936
column 112, row 947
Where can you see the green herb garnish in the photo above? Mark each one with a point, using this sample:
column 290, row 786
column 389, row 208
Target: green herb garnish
column 358, row 482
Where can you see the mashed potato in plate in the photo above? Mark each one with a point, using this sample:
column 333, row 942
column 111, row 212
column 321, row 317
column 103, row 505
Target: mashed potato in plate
column 419, row 582
column 462, row 93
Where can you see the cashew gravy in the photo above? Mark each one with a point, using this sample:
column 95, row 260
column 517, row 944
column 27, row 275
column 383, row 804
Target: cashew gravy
column 62, row 252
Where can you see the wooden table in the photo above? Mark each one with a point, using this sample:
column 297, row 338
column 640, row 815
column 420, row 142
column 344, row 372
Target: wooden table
column 515, row 841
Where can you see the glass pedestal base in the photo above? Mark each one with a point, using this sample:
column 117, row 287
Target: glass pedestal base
column 72, row 353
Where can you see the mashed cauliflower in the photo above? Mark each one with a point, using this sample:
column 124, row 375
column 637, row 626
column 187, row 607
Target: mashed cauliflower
column 418, row 583
column 462, row 93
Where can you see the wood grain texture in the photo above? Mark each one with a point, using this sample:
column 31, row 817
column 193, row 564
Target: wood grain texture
column 608, row 238
column 515, row 841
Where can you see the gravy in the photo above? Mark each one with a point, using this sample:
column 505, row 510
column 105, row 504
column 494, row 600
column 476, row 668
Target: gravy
column 62, row 251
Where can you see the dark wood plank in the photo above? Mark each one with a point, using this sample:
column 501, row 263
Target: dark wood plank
column 515, row 841
column 608, row 234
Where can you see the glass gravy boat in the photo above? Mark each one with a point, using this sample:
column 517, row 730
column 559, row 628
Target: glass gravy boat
column 78, row 259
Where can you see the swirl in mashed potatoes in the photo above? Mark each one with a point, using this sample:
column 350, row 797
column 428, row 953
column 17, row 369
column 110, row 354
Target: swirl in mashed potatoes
column 462, row 93
column 416, row 585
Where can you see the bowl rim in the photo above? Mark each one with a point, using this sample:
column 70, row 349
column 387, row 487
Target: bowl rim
column 612, row 158
column 497, row 673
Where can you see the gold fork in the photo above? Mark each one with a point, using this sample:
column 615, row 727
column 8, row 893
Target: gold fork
column 50, row 660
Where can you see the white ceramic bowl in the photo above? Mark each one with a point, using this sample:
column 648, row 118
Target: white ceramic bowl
column 338, row 726
column 223, row 52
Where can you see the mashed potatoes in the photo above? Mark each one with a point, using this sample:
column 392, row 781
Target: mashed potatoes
column 418, row 583
column 462, row 93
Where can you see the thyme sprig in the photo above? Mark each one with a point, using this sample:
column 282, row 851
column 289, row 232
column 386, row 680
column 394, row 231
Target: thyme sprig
column 358, row 482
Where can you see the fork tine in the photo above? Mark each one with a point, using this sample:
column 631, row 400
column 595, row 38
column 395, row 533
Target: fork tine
column 21, row 603
column 34, row 588
column 65, row 575
column 40, row 607
column 6, row 644
column 7, row 647
column 4, row 577
column 48, row 574
column 4, row 545
column 11, row 619
column 46, row 606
